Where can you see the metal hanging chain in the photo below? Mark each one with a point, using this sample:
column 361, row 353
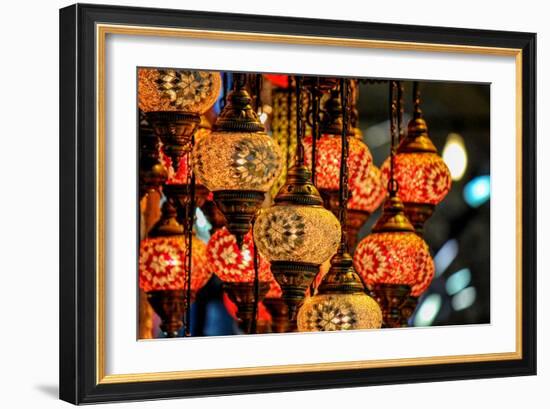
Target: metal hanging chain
column 416, row 100
column 400, row 110
column 392, row 184
column 256, row 261
column 258, row 92
column 189, row 221
column 299, row 124
column 344, row 188
column 289, row 123
column 315, row 124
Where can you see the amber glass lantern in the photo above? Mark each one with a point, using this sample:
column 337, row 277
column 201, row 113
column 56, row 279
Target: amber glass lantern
column 297, row 234
column 423, row 177
column 326, row 149
column 238, row 161
column 164, row 272
column 340, row 302
column 235, row 266
column 174, row 100
column 393, row 260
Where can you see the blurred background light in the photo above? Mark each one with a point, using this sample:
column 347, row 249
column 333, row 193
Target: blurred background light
column 263, row 117
column 427, row 311
column 202, row 226
column 458, row 281
column 445, row 256
column 464, row 299
column 455, row 156
column 477, row 191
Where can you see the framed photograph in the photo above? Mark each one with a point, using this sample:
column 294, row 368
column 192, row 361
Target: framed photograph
column 258, row 203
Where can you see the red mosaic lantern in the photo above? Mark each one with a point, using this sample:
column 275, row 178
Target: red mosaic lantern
column 235, row 267
column 367, row 195
column 423, row 178
column 328, row 156
column 162, row 264
column 233, row 264
column 394, row 262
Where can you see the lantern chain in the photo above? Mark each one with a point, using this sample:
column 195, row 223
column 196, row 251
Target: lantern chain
column 188, row 232
column 392, row 184
column 315, row 100
column 400, row 110
column 344, row 188
column 299, row 123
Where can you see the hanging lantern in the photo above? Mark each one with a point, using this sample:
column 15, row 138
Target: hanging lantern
column 394, row 256
column 423, row 177
column 152, row 172
column 162, row 264
column 174, row 101
column 163, row 272
column 296, row 234
column 328, row 161
column 340, row 302
column 238, row 161
column 328, row 150
column 327, row 158
column 393, row 260
column 234, row 265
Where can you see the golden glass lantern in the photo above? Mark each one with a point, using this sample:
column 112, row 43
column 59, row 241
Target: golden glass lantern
column 423, row 177
column 297, row 234
column 394, row 261
column 174, row 100
column 340, row 303
column 238, row 161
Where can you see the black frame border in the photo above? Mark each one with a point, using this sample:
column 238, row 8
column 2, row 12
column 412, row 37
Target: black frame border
column 78, row 198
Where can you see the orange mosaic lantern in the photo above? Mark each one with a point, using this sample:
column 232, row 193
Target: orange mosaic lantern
column 423, row 178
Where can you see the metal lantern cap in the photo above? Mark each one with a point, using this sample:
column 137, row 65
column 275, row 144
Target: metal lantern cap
column 168, row 224
column 341, row 278
column 298, row 188
column 238, row 115
column 393, row 218
column 417, row 139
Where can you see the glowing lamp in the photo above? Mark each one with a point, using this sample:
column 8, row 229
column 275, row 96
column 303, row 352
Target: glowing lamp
column 163, row 271
column 328, row 161
column 238, row 161
column 340, row 303
column 393, row 261
column 297, row 234
column 234, row 265
column 174, row 100
column 162, row 264
column 422, row 176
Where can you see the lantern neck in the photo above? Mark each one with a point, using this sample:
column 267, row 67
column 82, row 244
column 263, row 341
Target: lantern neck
column 168, row 224
column 238, row 115
column 298, row 188
column 417, row 139
column 332, row 123
column 393, row 218
column 341, row 278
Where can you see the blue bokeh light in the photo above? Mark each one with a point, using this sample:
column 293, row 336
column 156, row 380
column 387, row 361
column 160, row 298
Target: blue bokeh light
column 477, row 191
